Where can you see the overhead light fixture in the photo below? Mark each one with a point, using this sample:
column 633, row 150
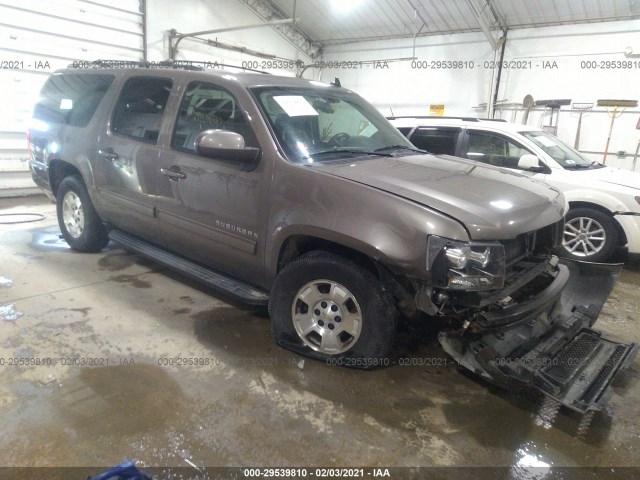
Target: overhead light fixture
column 344, row 5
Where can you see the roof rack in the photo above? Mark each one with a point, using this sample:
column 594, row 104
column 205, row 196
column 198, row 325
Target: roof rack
column 191, row 65
column 434, row 117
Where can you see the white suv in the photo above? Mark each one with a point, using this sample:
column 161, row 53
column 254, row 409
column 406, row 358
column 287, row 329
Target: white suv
column 604, row 202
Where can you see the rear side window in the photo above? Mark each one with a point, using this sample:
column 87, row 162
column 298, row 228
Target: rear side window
column 439, row 141
column 71, row 98
column 140, row 107
column 209, row 107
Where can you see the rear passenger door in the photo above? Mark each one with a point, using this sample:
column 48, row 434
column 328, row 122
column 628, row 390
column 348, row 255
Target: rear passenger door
column 126, row 167
column 213, row 210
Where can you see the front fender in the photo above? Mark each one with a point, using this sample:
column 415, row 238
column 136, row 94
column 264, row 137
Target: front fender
column 387, row 228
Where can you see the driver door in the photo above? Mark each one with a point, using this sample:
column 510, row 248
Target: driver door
column 212, row 210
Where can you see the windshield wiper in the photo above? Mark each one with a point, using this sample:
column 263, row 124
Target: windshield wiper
column 400, row 147
column 347, row 150
column 595, row 163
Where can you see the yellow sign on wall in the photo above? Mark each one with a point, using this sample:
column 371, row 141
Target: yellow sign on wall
column 436, row 110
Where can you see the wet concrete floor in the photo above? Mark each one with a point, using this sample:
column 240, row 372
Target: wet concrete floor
column 106, row 357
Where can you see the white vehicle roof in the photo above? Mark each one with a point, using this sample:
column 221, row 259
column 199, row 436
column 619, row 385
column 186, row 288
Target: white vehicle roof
column 495, row 125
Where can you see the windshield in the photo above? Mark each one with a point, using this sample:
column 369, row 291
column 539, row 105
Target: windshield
column 323, row 123
column 562, row 153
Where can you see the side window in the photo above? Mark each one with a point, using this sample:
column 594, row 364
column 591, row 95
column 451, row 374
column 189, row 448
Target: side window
column 436, row 140
column 70, row 98
column 209, row 107
column 494, row 150
column 139, row 110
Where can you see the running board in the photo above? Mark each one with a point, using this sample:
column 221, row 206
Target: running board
column 217, row 281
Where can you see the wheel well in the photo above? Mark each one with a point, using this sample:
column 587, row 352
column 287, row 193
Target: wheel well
column 58, row 170
column 622, row 238
column 298, row 245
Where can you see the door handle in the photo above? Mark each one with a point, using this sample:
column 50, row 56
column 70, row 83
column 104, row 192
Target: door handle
column 173, row 173
column 108, row 153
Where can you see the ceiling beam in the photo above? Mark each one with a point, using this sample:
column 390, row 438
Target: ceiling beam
column 268, row 12
column 487, row 18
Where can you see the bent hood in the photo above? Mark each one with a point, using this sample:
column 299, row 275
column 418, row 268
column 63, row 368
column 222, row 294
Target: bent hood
column 493, row 203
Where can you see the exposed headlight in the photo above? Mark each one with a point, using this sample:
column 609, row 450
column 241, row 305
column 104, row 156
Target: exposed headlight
column 465, row 265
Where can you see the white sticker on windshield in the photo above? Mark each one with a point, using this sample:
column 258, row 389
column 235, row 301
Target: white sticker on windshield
column 295, row 105
column 66, row 104
column 570, row 162
column 547, row 142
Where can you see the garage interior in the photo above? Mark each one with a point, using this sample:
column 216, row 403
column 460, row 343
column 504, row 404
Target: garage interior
column 254, row 404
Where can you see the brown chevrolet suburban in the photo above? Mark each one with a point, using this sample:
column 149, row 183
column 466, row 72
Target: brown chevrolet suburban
column 301, row 195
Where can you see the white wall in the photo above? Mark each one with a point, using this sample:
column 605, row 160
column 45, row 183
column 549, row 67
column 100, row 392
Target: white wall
column 409, row 91
column 197, row 15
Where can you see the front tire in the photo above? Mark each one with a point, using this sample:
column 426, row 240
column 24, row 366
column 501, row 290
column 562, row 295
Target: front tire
column 589, row 235
column 79, row 222
column 327, row 307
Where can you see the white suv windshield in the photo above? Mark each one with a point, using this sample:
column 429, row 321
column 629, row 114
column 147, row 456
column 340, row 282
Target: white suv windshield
column 562, row 153
column 321, row 124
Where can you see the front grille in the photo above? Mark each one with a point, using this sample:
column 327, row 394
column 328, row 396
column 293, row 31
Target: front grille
column 522, row 246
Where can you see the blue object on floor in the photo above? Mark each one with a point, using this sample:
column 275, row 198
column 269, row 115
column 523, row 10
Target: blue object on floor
column 125, row 471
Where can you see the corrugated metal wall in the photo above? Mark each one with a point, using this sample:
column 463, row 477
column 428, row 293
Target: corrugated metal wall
column 40, row 36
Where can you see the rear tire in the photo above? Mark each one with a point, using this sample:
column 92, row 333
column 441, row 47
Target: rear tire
column 589, row 235
column 327, row 307
column 79, row 222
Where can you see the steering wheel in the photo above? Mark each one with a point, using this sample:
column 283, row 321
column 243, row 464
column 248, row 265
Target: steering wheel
column 339, row 139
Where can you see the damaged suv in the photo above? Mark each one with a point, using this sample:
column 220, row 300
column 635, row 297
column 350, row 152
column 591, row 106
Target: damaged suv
column 301, row 196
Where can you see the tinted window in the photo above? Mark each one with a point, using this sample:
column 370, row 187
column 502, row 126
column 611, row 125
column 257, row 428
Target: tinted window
column 71, row 98
column 208, row 107
column 439, row 141
column 495, row 150
column 138, row 112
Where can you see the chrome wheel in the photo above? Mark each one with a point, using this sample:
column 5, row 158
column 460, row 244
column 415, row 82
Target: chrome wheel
column 73, row 214
column 327, row 317
column 584, row 236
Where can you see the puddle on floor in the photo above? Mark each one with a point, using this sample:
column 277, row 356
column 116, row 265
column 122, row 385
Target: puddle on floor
column 121, row 399
column 241, row 334
column 48, row 240
column 133, row 280
column 100, row 415
column 117, row 261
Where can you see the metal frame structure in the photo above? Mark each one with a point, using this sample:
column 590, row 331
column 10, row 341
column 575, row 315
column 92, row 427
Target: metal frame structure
column 175, row 38
column 268, row 12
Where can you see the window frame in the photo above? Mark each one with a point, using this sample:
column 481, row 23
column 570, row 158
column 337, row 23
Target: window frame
column 176, row 118
column 164, row 110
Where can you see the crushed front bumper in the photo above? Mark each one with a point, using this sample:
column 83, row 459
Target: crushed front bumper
column 548, row 344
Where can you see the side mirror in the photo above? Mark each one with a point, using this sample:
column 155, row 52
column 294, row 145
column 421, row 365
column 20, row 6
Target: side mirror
column 225, row 145
column 531, row 163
